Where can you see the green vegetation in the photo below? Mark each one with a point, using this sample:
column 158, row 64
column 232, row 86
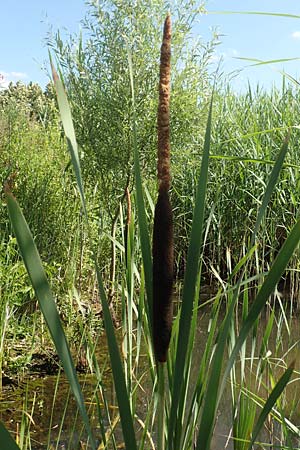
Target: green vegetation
column 87, row 251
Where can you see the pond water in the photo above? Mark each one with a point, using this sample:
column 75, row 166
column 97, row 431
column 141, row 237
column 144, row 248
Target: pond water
column 44, row 404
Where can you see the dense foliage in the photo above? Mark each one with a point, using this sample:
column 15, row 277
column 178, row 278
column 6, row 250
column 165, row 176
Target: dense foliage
column 95, row 67
column 30, row 101
column 116, row 54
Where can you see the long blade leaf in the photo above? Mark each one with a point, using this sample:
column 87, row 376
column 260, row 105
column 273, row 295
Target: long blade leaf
column 266, row 290
column 190, row 279
column 259, row 62
column 115, row 358
column 212, row 396
column 6, row 440
column 275, row 394
column 66, row 118
column 46, row 300
column 257, row 13
column 270, row 187
column 141, row 210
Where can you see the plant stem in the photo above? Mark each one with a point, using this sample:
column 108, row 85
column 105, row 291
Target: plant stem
column 161, row 406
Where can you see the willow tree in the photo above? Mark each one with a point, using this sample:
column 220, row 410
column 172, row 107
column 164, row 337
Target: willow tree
column 95, row 69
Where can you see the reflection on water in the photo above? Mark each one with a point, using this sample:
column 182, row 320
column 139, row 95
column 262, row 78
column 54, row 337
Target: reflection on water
column 57, row 421
column 283, row 348
column 45, row 416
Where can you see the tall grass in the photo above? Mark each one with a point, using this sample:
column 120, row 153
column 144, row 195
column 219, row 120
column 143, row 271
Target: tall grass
column 247, row 131
column 180, row 415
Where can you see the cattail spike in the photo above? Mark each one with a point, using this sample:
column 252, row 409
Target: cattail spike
column 163, row 261
column 163, row 246
column 163, row 114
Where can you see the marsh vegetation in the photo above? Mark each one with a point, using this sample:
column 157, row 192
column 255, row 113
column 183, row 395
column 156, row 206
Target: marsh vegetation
column 80, row 175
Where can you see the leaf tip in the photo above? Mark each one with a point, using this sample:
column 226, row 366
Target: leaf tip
column 292, row 365
column 54, row 73
column 287, row 137
column 9, row 184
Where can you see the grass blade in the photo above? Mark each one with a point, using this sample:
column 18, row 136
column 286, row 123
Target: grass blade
column 190, row 280
column 6, row 440
column 115, row 359
column 141, row 210
column 257, row 13
column 117, row 370
column 266, row 290
column 260, row 62
column 275, row 394
column 46, row 300
column 212, row 397
column 66, row 118
column 270, row 187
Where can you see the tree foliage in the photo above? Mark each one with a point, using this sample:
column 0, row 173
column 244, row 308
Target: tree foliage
column 95, row 69
column 30, row 101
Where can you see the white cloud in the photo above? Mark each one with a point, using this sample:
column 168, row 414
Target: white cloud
column 7, row 77
column 296, row 35
column 3, row 80
column 19, row 75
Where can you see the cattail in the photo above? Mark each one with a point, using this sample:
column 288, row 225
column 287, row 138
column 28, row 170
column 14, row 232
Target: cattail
column 163, row 115
column 163, row 246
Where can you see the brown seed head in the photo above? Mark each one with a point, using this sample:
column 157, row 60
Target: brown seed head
column 163, row 115
column 163, row 246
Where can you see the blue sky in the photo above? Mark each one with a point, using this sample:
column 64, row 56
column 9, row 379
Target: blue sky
column 23, row 28
column 253, row 36
column 24, row 25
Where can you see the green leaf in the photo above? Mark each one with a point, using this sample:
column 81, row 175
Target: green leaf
column 66, row 118
column 212, row 399
column 46, row 300
column 115, row 359
column 190, row 282
column 260, row 62
column 6, row 441
column 267, row 333
column 275, row 394
column 257, row 13
column 117, row 369
column 141, row 210
column 265, row 162
column 212, row 396
column 266, row 290
column 270, row 186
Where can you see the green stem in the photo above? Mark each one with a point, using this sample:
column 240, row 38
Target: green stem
column 161, row 406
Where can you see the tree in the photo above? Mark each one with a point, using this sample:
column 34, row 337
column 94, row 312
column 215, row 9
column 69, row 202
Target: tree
column 95, row 69
column 96, row 73
column 30, row 101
